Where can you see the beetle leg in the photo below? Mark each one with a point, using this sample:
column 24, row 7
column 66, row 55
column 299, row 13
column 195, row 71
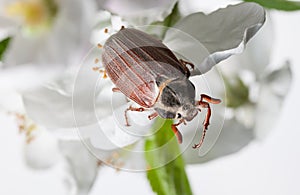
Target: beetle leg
column 115, row 89
column 153, row 115
column 130, row 108
column 205, row 123
column 204, row 104
column 209, row 99
column 177, row 132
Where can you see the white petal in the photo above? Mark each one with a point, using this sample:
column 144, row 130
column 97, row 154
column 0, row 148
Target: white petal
column 42, row 152
column 11, row 101
column 274, row 88
column 8, row 27
column 26, row 77
column 107, row 135
column 234, row 137
column 53, row 108
column 140, row 12
column 49, row 108
column 256, row 56
column 82, row 167
column 208, row 39
column 103, row 22
column 187, row 7
column 53, row 105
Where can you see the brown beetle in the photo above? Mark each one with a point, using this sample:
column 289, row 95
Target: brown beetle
column 147, row 72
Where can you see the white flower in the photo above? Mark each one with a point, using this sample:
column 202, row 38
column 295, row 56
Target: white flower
column 46, row 32
column 43, row 149
column 255, row 92
column 212, row 38
column 139, row 12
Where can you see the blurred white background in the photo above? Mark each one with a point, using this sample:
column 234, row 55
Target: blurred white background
column 267, row 167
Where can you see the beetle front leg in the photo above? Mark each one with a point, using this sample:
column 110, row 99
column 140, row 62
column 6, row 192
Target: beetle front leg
column 130, row 108
column 176, row 131
column 209, row 99
column 204, row 104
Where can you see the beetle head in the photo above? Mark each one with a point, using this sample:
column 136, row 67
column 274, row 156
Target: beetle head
column 177, row 100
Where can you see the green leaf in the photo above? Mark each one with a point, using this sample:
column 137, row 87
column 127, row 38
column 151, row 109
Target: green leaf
column 170, row 178
column 173, row 17
column 3, row 46
column 169, row 21
column 278, row 4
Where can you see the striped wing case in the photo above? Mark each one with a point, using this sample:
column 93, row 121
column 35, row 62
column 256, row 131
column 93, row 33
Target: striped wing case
column 137, row 63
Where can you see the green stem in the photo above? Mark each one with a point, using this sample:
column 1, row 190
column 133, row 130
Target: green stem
column 166, row 174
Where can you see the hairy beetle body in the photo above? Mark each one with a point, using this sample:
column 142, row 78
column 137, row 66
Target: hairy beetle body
column 134, row 60
column 148, row 72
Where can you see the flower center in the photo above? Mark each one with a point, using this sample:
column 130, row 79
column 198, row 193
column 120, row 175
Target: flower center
column 237, row 93
column 34, row 14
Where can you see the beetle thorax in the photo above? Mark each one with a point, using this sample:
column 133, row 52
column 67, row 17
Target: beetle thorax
column 177, row 100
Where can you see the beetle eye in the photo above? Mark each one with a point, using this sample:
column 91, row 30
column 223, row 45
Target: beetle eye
column 178, row 115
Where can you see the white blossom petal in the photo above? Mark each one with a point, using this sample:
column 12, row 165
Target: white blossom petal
column 139, row 12
column 51, row 105
column 53, row 108
column 187, row 7
column 257, row 54
column 43, row 151
column 234, row 136
column 208, row 39
column 274, row 88
column 49, row 108
column 26, row 77
column 8, row 27
column 82, row 167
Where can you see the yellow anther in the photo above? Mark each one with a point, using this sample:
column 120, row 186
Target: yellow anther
column 32, row 13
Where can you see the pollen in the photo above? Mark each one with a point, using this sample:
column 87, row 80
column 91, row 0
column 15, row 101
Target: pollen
column 96, row 68
column 99, row 46
column 96, row 60
column 105, row 30
column 26, row 126
column 104, row 73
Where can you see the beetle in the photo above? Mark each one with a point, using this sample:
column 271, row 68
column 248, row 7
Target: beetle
column 148, row 72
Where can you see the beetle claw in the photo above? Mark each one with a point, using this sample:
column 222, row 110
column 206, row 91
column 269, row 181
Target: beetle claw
column 196, row 146
column 202, row 138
